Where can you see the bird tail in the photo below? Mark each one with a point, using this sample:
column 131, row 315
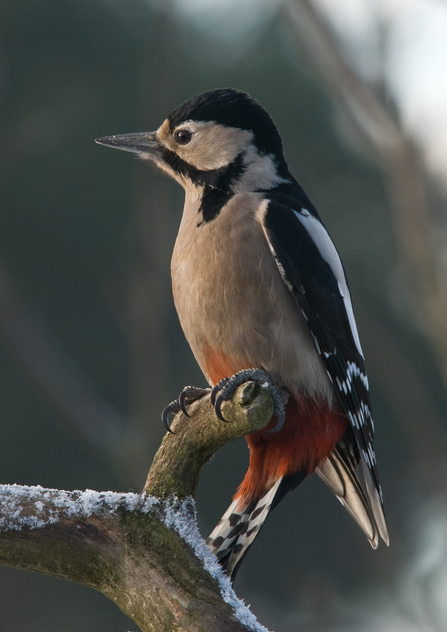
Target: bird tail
column 340, row 472
column 241, row 523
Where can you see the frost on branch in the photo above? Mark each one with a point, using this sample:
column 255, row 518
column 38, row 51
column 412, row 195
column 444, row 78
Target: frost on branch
column 182, row 518
column 144, row 551
column 36, row 507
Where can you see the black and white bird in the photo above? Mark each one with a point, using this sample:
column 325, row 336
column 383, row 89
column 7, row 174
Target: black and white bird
column 261, row 294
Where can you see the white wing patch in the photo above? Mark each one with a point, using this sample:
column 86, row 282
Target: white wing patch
column 329, row 253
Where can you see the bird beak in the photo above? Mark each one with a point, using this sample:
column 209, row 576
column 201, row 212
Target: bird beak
column 140, row 143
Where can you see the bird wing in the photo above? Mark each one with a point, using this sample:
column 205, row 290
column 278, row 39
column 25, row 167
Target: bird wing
column 311, row 268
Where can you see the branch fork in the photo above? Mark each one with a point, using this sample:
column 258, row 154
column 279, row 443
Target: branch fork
column 144, row 551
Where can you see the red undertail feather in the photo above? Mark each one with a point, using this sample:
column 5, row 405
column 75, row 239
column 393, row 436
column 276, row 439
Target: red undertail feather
column 308, row 436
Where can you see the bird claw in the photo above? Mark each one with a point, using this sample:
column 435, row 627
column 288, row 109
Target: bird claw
column 172, row 408
column 217, row 407
column 279, row 424
column 188, row 395
column 219, row 386
column 182, row 402
column 224, row 391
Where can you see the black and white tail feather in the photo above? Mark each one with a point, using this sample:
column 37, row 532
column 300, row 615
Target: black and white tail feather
column 237, row 529
column 240, row 524
column 339, row 472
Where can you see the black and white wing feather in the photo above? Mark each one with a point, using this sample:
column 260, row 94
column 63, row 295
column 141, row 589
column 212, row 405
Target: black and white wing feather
column 312, row 270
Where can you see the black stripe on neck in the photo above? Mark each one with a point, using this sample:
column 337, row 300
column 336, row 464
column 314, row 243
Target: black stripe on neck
column 217, row 184
column 213, row 201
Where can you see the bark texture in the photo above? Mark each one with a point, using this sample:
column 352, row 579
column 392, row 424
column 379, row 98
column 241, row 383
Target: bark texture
column 128, row 546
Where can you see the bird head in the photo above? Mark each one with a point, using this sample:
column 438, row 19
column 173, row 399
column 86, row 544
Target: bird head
column 220, row 139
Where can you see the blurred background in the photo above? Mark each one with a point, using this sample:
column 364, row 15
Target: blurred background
column 90, row 346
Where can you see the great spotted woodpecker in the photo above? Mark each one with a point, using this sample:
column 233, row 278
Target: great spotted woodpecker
column 261, row 294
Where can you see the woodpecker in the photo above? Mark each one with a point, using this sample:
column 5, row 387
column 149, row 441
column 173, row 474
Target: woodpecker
column 261, row 293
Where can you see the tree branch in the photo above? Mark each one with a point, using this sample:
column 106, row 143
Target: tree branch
column 177, row 465
column 144, row 551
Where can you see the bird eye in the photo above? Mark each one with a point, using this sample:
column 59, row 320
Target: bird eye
column 183, row 136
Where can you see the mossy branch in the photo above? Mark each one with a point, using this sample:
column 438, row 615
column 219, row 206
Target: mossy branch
column 141, row 551
column 178, row 463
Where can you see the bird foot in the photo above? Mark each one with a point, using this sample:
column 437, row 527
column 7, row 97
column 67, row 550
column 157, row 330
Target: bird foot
column 188, row 395
column 224, row 391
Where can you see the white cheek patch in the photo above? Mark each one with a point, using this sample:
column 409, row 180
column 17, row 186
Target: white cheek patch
column 260, row 172
column 329, row 253
column 213, row 145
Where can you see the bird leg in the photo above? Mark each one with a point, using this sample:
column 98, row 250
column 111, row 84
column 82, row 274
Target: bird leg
column 188, row 395
column 224, row 390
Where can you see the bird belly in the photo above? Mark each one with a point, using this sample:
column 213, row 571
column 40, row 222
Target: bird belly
column 234, row 308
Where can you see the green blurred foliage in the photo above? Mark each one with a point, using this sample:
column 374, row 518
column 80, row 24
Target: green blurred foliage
column 70, row 218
